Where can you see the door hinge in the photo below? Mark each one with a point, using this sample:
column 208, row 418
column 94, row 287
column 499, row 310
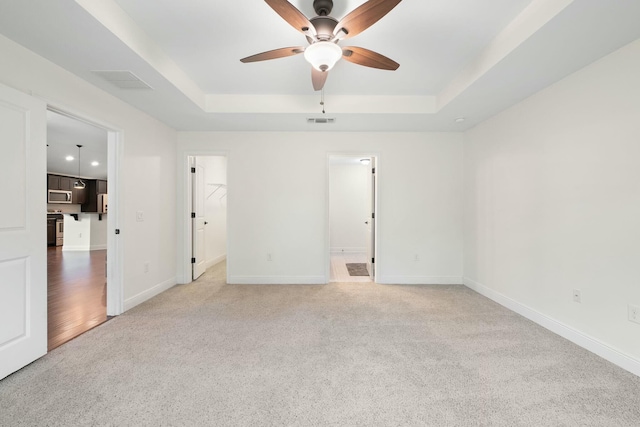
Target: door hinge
column 373, row 215
column 193, row 214
column 193, row 260
column 373, row 260
column 117, row 231
column 373, row 170
column 193, row 170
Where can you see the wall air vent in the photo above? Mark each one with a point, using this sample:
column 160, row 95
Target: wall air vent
column 122, row 79
column 321, row 120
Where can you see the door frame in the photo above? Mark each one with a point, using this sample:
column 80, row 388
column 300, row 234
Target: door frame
column 183, row 214
column 327, row 234
column 115, row 244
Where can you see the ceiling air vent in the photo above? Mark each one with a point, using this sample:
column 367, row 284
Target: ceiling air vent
column 123, row 79
column 321, row 120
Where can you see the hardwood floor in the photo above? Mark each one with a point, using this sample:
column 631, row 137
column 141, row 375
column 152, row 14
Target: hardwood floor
column 77, row 293
column 339, row 272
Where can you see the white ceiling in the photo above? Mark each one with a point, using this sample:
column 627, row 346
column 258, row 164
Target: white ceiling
column 63, row 136
column 458, row 58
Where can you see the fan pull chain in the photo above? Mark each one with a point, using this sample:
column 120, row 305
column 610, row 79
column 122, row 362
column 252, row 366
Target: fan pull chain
column 322, row 100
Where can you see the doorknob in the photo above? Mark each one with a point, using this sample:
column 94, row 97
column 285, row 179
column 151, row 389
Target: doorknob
column 205, row 223
column 366, row 222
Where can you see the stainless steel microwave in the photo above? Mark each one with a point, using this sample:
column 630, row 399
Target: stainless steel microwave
column 59, row 196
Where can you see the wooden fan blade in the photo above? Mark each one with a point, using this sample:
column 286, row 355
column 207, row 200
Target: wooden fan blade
column 318, row 78
column 363, row 17
column 274, row 54
column 293, row 16
column 368, row 58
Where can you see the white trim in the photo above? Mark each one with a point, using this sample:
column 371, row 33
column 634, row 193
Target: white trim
column 146, row 295
column 115, row 244
column 183, row 209
column 276, row 280
column 78, row 248
column 82, row 248
column 349, row 250
column 327, row 202
column 419, row 280
column 585, row 341
column 215, row 260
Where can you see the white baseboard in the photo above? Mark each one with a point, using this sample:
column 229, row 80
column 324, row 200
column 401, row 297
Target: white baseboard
column 84, row 248
column 362, row 250
column 419, row 280
column 76, row 248
column 277, row 280
column 143, row 296
column 577, row 337
column 215, row 260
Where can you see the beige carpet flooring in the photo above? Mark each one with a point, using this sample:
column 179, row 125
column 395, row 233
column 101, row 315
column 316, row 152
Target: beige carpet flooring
column 339, row 354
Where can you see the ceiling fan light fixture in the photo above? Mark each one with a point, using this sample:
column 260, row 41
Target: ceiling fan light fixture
column 323, row 55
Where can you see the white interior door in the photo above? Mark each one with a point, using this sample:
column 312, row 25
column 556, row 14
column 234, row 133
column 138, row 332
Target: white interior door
column 371, row 220
column 23, row 243
column 198, row 257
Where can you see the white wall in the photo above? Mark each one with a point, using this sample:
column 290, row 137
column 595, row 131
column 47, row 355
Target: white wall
column 215, row 208
column 77, row 234
column 278, row 203
column 98, row 232
column 148, row 178
column 349, row 204
column 87, row 233
column 552, row 204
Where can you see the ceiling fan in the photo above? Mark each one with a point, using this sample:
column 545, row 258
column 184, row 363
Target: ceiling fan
column 323, row 34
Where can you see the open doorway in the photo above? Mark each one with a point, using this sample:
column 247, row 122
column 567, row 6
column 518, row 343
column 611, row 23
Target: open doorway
column 78, row 201
column 352, row 190
column 208, row 212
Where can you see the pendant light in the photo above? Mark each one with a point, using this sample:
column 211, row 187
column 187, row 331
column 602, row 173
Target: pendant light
column 79, row 183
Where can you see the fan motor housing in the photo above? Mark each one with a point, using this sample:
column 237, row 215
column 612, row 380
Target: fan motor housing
column 323, row 7
column 324, row 26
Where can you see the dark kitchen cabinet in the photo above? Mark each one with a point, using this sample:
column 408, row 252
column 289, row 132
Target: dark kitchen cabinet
column 94, row 188
column 66, row 183
column 51, row 231
column 79, row 196
column 57, row 182
column 101, row 186
column 53, row 182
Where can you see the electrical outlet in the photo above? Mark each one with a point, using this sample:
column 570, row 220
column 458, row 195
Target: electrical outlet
column 577, row 295
column 139, row 216
column 80, row 235
column 416, row 258
column 146, row 267
column 269, row 257
column 634, row 313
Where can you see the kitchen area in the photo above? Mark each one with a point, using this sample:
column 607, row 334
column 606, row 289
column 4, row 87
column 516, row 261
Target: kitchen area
column 77, row 209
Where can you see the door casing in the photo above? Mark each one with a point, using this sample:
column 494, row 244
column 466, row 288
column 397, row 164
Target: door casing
column 375, row 156
column 184, row 206
column 115, row 258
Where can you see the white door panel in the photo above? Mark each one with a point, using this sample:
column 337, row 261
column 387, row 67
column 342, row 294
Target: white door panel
column 371, row 222
column 200, row 265
column 23, row 265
